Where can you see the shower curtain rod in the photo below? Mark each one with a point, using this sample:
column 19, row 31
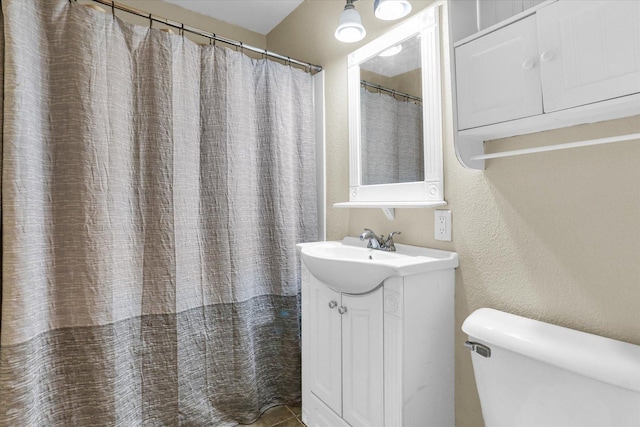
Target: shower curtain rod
column 211, row 36
column 391, row 91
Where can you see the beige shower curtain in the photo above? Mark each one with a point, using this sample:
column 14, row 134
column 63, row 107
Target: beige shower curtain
column 153, row 191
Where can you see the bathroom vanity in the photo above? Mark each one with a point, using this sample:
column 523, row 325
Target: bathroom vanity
column 377, row 335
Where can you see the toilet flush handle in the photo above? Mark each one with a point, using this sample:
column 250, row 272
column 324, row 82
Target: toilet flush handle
column 481, row 349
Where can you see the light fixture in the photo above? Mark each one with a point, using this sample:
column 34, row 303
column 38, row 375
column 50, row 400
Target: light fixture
column 350, row 27
column 389, row 10
column 393, row 50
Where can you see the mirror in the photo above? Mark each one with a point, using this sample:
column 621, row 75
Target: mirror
column 395, row 129
column 391, row 145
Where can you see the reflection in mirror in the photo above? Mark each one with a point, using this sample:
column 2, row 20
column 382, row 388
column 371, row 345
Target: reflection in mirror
column 392, row 148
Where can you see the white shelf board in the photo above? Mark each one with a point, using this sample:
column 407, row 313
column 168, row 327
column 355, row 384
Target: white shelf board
column 390, row 204
column 470, row 142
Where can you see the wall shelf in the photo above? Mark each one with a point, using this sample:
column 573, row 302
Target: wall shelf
column 470, row 142
column 389, row 207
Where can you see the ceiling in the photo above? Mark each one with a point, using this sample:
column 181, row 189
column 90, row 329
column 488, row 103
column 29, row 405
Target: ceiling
column 390, row 66
column 260, row 16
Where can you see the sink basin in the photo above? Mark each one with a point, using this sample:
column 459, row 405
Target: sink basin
column 349, row 266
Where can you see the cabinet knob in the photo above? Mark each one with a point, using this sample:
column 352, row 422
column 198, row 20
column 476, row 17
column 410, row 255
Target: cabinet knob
column 333, row 304
column 342, row 309
column 528, row 64
column 546, row 56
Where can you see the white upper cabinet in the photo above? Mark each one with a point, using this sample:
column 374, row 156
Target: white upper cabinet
column 491, row 12
column 555, row 64
column 497, row 76
column 589, row 51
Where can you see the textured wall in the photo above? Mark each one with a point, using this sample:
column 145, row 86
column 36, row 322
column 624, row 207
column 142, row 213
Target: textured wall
column 529, row 230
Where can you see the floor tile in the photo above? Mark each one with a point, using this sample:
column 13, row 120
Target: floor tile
column 297, row 411
column 292, row 422
column 273, row 416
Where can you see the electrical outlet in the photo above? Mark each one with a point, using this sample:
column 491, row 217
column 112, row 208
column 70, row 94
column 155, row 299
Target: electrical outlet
column 443, row 225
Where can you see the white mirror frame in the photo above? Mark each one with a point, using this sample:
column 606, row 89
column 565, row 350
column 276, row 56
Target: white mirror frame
column 427, row 193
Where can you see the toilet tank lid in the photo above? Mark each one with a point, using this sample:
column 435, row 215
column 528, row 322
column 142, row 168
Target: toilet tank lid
column 605, row 359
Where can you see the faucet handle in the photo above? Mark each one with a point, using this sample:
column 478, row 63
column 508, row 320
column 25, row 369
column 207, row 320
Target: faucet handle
column 392, row 234
column 388, row 244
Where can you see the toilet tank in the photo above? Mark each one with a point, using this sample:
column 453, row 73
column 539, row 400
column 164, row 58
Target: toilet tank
column 543, row 375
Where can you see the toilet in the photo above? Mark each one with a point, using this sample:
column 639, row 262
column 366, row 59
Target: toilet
column 531, row 373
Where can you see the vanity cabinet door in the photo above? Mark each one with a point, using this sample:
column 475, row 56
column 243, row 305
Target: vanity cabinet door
column 589, row 51
column 325, row 345
column 497, row 76
column 362, row 365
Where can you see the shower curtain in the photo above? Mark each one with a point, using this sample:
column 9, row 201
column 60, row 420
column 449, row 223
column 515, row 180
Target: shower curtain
column 153, row 191
column 391, row 139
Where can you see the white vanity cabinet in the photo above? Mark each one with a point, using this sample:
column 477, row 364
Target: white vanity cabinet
column 345, row 351
column 383, row 358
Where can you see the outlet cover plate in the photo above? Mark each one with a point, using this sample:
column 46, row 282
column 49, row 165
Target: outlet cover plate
column 442, row 225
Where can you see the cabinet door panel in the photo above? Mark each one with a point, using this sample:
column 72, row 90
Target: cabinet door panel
column 362, row 343
column 497, row 76
column 590, row 51
column 322, row 416
column 325, row 345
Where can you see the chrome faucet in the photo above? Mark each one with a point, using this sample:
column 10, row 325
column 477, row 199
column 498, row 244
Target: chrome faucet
column 375, row 242
column 379, row 243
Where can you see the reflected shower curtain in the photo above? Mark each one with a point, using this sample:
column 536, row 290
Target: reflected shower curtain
column 153, row 191
column 391, row 135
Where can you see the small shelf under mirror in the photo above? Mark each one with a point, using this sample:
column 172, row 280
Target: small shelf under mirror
column 388, row 208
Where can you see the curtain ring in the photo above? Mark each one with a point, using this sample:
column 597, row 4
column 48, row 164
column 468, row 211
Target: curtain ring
column 241, row 48
column 182, row 29
column 264, row 54
column 150, row 21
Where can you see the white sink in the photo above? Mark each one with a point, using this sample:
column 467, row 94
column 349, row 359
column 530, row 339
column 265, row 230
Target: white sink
column 349, row 266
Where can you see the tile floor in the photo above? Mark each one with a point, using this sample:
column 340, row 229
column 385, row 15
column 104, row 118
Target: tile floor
column 279, row 416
